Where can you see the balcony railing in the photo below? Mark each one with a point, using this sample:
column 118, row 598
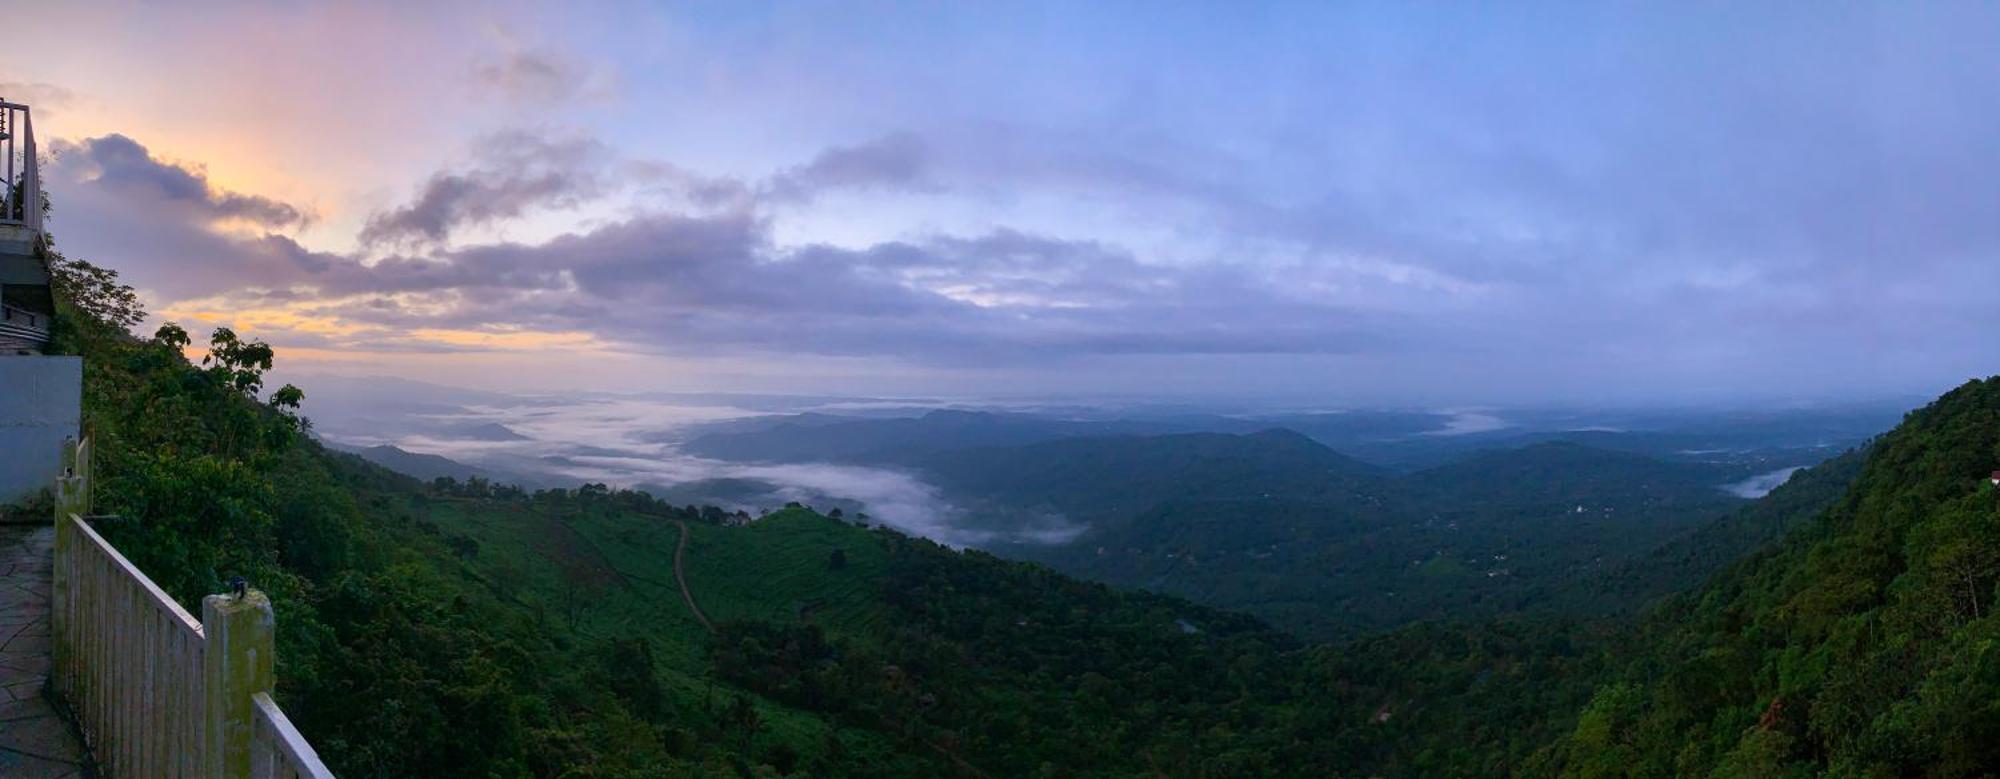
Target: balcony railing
column 11, row 317
column 21, row 196
column 156, row 692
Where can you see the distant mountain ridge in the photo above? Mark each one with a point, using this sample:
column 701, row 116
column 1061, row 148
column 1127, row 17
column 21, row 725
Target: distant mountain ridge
column 1275, row 516
column 1092, row 473
column 817, row 438
column 429, row 467
column 488, row 431
column 1284, row 527
column 1399, row 440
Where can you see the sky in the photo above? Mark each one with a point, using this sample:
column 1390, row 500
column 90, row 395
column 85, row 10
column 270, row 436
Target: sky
column 1329, row 203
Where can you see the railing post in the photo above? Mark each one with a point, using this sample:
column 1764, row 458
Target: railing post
column 72, row 498
column 238, row 657
column 31, row 179
column 73, row 486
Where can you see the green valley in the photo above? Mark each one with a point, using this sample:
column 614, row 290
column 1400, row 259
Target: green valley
column 469, row 628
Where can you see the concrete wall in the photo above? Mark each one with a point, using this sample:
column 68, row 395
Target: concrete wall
column 41, row 403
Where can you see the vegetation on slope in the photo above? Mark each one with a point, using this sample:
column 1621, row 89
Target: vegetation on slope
column 1280, row 526
column 466, row 629
column 1864, row 644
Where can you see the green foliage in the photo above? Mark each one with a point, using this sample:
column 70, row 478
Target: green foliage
column 386, row 660
column 95, row 292
column 1282, row 527
column 1862, row 644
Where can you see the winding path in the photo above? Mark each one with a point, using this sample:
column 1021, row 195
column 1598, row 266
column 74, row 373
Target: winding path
column 680, row 577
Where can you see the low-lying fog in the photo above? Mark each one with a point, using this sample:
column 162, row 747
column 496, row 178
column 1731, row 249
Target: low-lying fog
column 635, row 441
column 629, row 441
column 1760, row 485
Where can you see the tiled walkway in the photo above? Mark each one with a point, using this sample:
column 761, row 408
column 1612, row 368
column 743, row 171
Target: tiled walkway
column 34, row 740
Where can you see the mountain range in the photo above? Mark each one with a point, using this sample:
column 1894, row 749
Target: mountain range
column 1843, row 624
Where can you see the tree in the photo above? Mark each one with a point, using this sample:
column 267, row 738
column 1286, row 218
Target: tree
column 1961, row 548
column 96, row 292
column 172, row 336
column 238, row 364
column 837, row 561
column 743, row 715
column 627, row 666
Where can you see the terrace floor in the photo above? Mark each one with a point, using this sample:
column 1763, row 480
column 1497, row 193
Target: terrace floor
column 35, row 740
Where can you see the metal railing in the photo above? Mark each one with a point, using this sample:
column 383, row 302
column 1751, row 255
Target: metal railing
column 277, row 751
column 21, row 196
column 21, row 318
column 155, row 692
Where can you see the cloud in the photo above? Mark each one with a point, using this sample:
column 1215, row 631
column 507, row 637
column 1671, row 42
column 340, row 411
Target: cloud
column 709, row 284
column 704, row 275
column 1480, row 290
column 520, row 172
column 895, row 161
column 1434, row 200
column 539, row 76
column 513, row 173
column 37, row 95
column 167, row 230
column 116, row 162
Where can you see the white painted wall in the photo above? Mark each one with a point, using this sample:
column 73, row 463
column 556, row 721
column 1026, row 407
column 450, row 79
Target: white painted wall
column 41, row 403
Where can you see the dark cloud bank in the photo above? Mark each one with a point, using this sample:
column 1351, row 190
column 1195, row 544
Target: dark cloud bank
column 115, row 162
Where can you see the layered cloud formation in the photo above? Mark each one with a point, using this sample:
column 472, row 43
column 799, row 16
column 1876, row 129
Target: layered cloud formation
column 1408, row 205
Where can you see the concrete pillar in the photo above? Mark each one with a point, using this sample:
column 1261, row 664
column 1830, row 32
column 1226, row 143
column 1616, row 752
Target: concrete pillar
column 238, row 655
column 72, row 497
column 73, row 480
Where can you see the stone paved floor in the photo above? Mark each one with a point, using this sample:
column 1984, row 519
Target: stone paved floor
column 34, row 740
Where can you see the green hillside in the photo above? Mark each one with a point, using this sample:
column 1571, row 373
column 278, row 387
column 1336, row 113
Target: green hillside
column 1687, row 561
column 1280, row 526
column 1863, row 644
column 423, row 467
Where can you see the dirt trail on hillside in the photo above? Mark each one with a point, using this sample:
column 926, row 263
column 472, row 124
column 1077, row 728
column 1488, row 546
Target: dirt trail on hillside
column 680, row 577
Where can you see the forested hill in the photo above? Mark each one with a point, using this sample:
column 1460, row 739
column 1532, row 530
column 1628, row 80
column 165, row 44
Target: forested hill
column 461, row 629
column 1279, row 525
column 1866, row 643
column 1106, row 474
column 1687, row 561
column 466, row 630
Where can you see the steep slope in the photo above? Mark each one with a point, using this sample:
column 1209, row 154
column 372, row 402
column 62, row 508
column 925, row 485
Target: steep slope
column 1689, row 560
column 1865, row 643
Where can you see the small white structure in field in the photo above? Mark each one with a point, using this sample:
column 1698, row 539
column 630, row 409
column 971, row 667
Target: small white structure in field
column 1996, row 478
